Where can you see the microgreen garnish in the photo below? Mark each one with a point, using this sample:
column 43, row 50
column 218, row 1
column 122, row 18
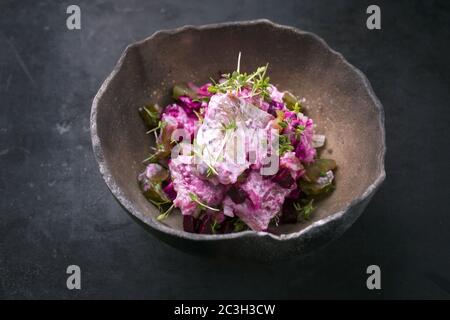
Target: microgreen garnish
column 153, row 115
column 150, row 158
column 276, row 220
column 215, row 226
column 202, row 205
column 299, row 131
column 292, row 102
column 210, row 171
column 159, row 147
column 304, row 212
column 158, row 150
column 160, row 126
column 297, row 107
column 158, row 203
column 218, row 157
column 257, row 81
column 283, row 124
column 261, row 83
column 284, row 144
column 165, row 214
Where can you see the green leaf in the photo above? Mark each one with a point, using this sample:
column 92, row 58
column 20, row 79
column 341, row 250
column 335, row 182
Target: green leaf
column 210, row 171
column 215, row 226
column 304, row 210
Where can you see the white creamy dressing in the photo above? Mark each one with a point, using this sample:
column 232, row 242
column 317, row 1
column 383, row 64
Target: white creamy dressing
column 230, row 130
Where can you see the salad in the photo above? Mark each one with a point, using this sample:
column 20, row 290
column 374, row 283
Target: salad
column 234, row 154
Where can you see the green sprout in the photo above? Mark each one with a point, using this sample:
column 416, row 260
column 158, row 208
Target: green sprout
column 236, row 81
column 202, row 205
column 299, row 131
column 165, row 214
column 304, row 212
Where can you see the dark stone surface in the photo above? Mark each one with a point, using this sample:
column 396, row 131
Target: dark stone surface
column 56, row 210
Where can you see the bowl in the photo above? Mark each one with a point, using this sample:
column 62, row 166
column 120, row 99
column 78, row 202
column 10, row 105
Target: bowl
column 337, row 96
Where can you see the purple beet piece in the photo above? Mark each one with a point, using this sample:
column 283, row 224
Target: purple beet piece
column 294, row 194
column 237, row 194
column 205, row 224
column 288, row 215
column 284, row 178
column 189, row 224
column 226, row 226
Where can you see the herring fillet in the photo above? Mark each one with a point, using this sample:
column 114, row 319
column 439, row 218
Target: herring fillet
column 229, row 124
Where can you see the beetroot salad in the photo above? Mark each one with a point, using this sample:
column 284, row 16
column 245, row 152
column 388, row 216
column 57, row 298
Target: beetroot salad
column 234, row 154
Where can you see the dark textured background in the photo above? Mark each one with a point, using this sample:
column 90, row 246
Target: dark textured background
column 55, row 209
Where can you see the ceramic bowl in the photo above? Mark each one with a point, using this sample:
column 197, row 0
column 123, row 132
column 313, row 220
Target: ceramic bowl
column 337, row 96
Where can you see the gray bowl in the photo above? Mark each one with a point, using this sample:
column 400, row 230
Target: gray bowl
column 338, row 97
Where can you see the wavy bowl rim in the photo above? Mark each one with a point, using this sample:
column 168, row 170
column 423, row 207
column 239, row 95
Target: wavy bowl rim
column 152, row 222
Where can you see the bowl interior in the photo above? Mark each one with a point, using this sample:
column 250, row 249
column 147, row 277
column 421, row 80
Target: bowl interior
column 336, row 98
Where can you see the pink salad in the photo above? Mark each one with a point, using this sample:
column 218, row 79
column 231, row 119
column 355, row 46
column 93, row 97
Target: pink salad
column 234, row 154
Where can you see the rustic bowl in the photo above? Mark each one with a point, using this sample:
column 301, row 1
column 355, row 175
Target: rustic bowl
column 338, row 97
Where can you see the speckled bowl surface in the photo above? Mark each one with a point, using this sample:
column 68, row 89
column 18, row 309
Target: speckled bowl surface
column 338, row 97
